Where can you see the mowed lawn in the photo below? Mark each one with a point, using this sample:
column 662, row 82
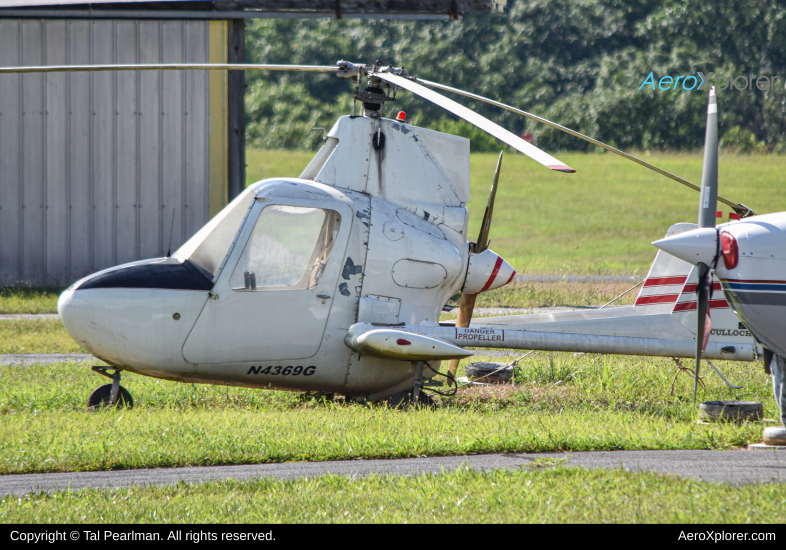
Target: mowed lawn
column 600, row 220
column 530, row 495
column 560, row 402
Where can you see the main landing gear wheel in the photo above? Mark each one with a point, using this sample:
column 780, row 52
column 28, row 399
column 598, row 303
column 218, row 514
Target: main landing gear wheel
column 102, row 397
column 403, row 400
column 414, row 397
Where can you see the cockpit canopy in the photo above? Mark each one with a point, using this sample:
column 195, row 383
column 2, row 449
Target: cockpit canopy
column 288, row 247
column 209, row 246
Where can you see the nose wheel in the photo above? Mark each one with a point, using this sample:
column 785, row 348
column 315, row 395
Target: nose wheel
column 109, row 395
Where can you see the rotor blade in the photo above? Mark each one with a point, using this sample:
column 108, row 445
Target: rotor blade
column 172, row 67
column 740, row 209
column 485, row 226
column 702, row 299
column 480, row 121
column 708, row 203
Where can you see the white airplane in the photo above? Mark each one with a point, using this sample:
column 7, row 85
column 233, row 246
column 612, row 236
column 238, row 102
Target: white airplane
column 747, row 256
column 334, row 281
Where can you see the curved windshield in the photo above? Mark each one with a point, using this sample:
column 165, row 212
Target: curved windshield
column 208, row 247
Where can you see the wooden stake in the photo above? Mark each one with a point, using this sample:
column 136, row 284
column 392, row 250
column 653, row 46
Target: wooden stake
column 464, row 317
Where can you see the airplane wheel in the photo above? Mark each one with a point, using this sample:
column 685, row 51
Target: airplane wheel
column 102, row 397
column 403, row 400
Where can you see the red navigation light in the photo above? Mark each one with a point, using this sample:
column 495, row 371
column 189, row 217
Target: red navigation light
column 729, row 248
column 402, row 116
column 402, row 342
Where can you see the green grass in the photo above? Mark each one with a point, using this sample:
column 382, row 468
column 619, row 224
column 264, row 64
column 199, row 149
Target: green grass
column 552, row 495
column 600, row 220
column 561, row 403
column 530, row 295
column 275, row 164
column 36, row 336
column 29, row 300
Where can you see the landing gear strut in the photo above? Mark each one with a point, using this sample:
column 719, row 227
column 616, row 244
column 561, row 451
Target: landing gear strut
column 417, row 384
column 414, row 397
column 109, row 395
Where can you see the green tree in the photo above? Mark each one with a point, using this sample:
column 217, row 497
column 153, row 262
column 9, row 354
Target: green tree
column 579, row 63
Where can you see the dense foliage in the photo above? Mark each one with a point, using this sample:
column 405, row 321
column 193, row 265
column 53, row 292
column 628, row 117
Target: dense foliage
column 578, row 62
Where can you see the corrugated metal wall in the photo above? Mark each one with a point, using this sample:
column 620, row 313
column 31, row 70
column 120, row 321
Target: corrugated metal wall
column 92, row 165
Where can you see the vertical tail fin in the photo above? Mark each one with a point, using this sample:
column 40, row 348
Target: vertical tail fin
column 670, row 287
column 665, row 281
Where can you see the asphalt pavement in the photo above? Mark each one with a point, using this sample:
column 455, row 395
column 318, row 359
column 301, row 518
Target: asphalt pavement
column 733, row 467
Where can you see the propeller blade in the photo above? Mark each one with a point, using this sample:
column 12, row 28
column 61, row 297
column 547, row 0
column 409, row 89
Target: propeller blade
column 172, row 67
column 485, row 226
column 474, row 118
column 702, row 298
column 467, row 307
column 708, row 204
column 740, row 209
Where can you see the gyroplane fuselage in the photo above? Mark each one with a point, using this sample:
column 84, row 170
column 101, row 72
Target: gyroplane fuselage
column 265, row 294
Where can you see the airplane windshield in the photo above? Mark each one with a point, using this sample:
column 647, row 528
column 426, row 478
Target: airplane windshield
column 208, row 247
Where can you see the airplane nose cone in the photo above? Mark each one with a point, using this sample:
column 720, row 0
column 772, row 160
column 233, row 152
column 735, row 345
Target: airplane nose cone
column 695, row 246
column 487, row 271
column 75, row 318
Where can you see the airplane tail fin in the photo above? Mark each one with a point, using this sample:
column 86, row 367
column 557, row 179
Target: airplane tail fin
column 670, row 287
column 665, row 280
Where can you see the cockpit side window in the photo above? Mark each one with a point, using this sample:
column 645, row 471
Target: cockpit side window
column 288, row 249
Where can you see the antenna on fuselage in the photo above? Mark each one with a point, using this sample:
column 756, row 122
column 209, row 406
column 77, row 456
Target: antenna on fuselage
column 171, row 227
